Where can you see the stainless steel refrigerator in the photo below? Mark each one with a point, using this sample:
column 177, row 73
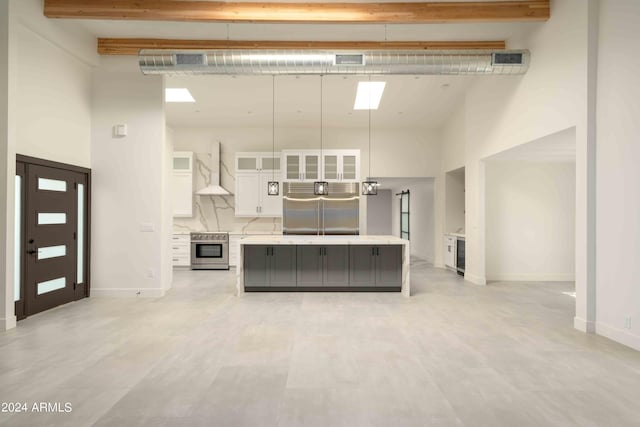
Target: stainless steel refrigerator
column 307, row 214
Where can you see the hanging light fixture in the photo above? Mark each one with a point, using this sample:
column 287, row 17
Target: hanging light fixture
column 369, row 187
column 321, row 188
column 273, row 186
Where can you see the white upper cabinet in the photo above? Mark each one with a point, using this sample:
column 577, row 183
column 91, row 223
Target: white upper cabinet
column 253, row 172
column 258, row 162
column 333, row 166
column 293, row 166
column 270, row 162
column 183, row 161
column 341, row 165
column 182, row 184
column 301, row 165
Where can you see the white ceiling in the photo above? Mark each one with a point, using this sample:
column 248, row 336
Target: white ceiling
column 408, row 101
column 248, row 31
column 246, row 100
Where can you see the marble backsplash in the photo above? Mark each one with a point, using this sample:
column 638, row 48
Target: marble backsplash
column 217, row 213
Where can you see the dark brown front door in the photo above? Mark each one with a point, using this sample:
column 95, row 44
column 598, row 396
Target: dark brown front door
column 55, row 228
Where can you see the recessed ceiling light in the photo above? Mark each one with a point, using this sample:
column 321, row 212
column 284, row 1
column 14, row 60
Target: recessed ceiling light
column 366, row 89
column 178, row 95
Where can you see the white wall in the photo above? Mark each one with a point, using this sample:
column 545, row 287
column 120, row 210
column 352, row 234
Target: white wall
column 454, row 203
column 44, row 106
column 53, row 65
column 54, row 107
column 501, row 112
column 618, row 174
column 421, row 216
column 7, row 168
column 530, row 228
column 166, row 267
column 128, row 183
column 379, row 214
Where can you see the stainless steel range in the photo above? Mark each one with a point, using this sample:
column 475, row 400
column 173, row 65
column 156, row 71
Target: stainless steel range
column 209, row 251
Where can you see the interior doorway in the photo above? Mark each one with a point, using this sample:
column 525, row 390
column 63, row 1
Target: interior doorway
column 391, row 213
column 52, row 234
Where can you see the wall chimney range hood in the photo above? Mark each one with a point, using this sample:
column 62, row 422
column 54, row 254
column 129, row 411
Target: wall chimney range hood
column 297, row 62
column 214, row 188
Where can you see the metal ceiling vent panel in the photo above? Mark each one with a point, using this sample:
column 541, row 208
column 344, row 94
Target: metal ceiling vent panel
column 259, row 62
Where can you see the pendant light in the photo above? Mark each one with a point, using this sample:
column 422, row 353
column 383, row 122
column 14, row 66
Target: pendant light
column 369, row 187
column 273, row 186
column 320, row 188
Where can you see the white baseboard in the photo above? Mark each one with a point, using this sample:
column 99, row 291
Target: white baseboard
column 619, row 335
column 440, row 265
column 476, row 280
column 532, row 278
column 583, row 325
column 127, row 292
column 8, row 323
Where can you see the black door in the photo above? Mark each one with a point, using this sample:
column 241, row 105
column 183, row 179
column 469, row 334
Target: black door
column 54, row 248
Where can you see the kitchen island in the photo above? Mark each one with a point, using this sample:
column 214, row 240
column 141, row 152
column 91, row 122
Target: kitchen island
column 323, row 264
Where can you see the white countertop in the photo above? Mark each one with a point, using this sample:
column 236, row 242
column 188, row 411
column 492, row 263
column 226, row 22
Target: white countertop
column 323, row 240
column 456, row 235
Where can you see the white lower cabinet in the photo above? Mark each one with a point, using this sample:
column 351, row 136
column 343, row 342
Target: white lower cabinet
column 181, row 249
column 450, row 251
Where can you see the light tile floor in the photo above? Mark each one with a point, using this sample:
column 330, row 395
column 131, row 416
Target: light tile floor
column 452, row 354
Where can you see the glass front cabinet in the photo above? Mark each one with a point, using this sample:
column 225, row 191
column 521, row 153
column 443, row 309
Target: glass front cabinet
column 333, row 166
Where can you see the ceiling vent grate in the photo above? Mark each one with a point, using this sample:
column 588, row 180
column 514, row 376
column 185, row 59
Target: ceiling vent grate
column 314, row 62
column 349, row 59
column 190, row 59
column 508, row 58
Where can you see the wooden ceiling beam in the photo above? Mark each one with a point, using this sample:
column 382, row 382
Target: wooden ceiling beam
column 131, row 46
column 215, row 11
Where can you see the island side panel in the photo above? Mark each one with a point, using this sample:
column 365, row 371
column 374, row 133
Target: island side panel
column 406, row 270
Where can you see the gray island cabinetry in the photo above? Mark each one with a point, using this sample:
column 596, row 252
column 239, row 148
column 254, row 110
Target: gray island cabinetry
column 323, row 263
column 380, row 266
column 323, row 266
column 270, row 266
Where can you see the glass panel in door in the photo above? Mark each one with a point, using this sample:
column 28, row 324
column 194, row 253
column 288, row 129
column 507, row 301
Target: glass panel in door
column 51, row 252
column 311, row 166
column 52, row 218
column 80, row 234
column 247, row 163
column 17, row 282
column 293, row 166
column 271, row 163
column 52, row 184
column 330, row 167
column 181, row 163
column 349, row 167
